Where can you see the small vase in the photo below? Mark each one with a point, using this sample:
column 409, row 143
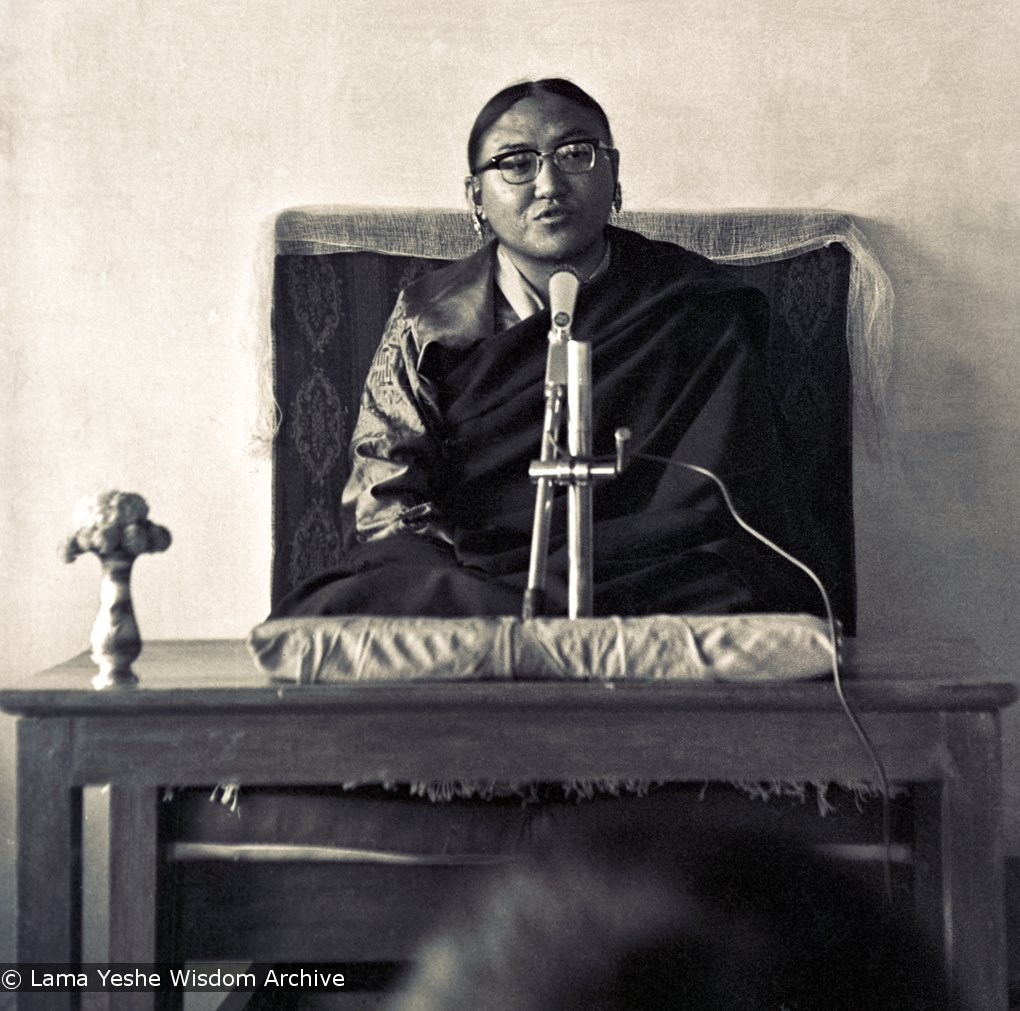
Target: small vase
column 115, row 640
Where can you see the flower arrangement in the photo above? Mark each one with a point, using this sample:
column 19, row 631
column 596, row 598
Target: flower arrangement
column 114, row 523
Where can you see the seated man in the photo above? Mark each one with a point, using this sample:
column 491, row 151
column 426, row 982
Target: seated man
column 438, row 507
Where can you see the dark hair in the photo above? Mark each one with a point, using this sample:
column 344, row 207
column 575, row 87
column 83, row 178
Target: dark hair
column 509, row 97
column 649, row 915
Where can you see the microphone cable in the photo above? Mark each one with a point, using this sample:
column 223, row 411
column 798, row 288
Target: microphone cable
column 837, row 678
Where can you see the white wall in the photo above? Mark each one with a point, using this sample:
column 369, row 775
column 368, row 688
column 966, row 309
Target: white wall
column 143, row 143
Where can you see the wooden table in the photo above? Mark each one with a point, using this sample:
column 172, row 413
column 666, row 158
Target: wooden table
column 202, row 713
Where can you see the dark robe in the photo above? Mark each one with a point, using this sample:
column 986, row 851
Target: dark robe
column 674, row 358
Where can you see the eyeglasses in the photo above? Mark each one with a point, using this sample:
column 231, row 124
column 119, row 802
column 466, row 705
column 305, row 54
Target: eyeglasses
column 574, row 157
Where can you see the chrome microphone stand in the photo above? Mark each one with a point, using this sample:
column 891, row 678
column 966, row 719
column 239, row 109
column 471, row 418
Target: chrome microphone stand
column 567, row 385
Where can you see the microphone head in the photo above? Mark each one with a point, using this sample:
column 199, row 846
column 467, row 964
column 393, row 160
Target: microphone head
column 563, row 287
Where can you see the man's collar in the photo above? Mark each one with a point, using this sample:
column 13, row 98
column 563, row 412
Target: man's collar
column 455, row 304
column 524, row 298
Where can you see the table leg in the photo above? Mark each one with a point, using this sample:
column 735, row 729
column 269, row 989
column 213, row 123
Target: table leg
column 135, row 890
column 960, row 845
column 48, row 854
column 134, row 857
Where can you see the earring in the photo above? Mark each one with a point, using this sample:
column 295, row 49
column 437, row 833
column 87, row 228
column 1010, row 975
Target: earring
column 478, row 223
column 617, row 198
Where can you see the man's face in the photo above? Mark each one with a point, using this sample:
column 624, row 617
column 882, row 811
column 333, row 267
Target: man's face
column 557, row 217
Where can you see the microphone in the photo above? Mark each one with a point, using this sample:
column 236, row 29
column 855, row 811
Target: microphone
column 563, row 287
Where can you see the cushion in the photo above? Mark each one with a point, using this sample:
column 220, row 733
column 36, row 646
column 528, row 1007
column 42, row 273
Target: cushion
column 738, row 647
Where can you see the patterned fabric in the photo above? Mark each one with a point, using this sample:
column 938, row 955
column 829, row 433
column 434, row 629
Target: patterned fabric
column 329, row 310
